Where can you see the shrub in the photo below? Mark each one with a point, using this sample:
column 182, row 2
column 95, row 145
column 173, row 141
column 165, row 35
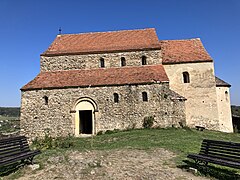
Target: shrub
column 49, row 142
column 148, row 121
column 63, row 142
column 109, row 132
column 100, row 133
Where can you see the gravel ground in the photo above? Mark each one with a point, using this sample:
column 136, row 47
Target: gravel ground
column 113, row 164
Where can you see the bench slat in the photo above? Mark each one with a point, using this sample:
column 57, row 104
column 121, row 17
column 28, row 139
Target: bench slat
column 8, row 148
column 13, row 152
column 220, row 146
column 230, row 149
column 220, row 156
column 221, row 142
column 214, row 160
column 219, row 152
column 14, row 159
column 14, row 149
column 12, row 139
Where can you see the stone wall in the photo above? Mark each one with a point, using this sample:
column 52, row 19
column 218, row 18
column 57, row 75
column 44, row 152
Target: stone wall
column 58, row 117
column 201, row 104
column 224, row 109
column 89, row 61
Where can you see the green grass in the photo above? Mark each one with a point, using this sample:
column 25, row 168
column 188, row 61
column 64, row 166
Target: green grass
column 179, row 141
column 9, row 124
column 8, row 118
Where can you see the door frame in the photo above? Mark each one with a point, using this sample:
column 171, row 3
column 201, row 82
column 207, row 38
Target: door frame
column 84, row 103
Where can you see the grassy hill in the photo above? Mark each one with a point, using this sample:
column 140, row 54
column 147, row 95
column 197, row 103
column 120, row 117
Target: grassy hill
column 179, row 141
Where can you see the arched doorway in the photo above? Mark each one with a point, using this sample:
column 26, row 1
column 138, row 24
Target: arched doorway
column 85, row 116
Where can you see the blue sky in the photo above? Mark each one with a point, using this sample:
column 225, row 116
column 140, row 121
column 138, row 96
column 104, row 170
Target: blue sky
column 28, row 27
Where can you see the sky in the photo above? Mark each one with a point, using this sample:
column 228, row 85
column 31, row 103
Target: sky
column 28, row 27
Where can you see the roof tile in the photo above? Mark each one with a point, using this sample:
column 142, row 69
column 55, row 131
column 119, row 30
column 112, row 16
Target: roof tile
column 104, row 42
column 98, row 77
column 180, row 51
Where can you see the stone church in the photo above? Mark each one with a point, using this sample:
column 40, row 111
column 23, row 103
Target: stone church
column 91, row 82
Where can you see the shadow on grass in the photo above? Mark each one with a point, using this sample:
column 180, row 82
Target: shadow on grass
column 9, row 169
column 211, row 171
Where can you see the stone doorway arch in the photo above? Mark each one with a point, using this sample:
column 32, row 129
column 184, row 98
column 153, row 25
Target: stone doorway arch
column 85, row 115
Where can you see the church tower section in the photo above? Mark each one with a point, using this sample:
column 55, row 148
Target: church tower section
column 190, row 71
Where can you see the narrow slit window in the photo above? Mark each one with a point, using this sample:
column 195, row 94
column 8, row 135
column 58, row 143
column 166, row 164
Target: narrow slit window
column 226, row 95
column 45, row 100
column 102, row 63
column 186, row 78
column 144, row 96
column 144, row 60
column 123, row 61
column 116, row 97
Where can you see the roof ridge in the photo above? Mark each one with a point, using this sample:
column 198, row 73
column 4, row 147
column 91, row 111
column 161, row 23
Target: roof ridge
column 197, row 38
column 107, row 31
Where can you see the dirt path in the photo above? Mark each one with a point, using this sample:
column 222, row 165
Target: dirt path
column 114, row 164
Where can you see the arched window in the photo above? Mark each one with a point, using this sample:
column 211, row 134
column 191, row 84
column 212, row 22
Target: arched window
column 123, row 61
column 186, row 78
column 102, row 63
column 45, row 100
column 144, row 96
column 116, row 97
column 144, row 60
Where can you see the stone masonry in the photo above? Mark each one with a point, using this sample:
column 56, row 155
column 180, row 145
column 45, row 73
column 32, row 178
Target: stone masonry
column 91, row 61
column 57, row 118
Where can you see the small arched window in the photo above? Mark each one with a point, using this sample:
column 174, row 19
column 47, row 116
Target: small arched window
column 144, row 60
column 186, row 78
column 102, row 63
column 45, row 100
column 123, row 61
column 116, row 97
column 144, row 96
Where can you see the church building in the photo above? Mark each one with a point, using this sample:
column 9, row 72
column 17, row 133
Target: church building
column 92, row 82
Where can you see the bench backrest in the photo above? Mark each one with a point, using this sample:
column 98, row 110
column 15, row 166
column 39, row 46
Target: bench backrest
column 221, row 150
column 13, row 146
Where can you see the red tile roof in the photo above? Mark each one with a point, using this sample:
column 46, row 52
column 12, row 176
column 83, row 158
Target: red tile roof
column 97, row 42
column 98, row 77
column 180, row 51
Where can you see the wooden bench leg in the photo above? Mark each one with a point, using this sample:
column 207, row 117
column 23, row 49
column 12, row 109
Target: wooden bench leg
column 202, row 165
column 30, row 159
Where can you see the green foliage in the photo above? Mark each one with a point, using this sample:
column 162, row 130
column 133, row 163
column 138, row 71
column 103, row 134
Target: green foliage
column 100, row 133
column 148, row 122
column 9, row 124
column 49, row 142
column 109, row 132
column 10, row 111
column 112, row 131
column 235, row 110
